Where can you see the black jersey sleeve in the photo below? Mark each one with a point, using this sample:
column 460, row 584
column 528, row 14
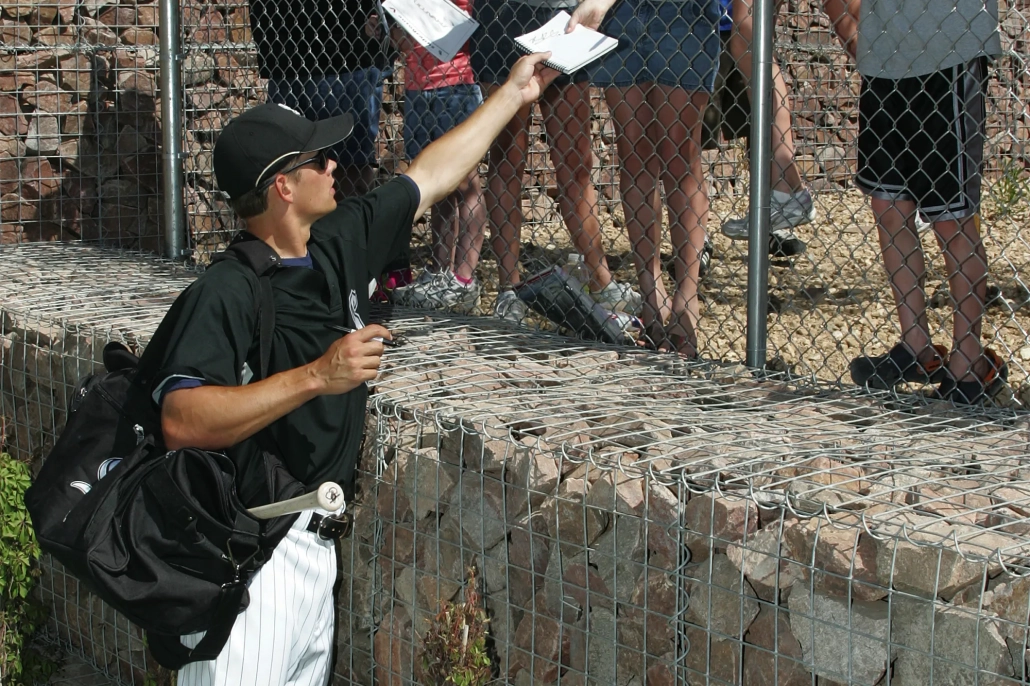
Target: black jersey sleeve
column 207, row 334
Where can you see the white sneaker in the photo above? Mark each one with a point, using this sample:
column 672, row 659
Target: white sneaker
column 786, row 211
column 440, row 292
column 404, row 295
column 619, row 296
column 510, row 308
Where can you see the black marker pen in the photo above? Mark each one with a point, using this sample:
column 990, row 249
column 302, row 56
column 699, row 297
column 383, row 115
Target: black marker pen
column 343, row 329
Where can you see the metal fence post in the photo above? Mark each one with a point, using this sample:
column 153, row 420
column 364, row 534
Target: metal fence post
column 763, row 18
column 171, row 132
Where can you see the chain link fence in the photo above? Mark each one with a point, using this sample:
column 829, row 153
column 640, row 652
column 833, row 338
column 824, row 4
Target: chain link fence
column 80, row 133
column 79, row 123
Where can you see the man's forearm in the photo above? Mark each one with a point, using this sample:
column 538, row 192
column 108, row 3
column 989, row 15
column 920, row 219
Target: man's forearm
column 446, row 162
column 216, row 417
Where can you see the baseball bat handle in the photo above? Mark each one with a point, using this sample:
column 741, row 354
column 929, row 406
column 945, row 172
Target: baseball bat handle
column 328, row 496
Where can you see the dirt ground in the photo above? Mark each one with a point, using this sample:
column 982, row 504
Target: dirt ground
column 832, row 302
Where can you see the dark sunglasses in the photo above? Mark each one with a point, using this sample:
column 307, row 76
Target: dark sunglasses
column 321, row 160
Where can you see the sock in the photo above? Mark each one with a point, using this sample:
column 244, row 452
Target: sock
column 463, row 281
column 782, row 197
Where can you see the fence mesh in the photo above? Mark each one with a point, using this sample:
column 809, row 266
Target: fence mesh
column 631, row 517
column 79, row 123
column 84, row 75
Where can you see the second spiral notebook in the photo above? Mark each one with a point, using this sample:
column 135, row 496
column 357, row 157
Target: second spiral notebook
column 569, row 51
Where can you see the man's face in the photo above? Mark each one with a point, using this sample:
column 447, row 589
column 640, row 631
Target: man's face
column 313, row 185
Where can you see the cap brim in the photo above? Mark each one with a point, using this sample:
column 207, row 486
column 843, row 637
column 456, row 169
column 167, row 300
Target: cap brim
column 330, row 132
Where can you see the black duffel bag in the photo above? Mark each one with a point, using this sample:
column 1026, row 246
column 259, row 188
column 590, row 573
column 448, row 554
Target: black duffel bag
column 159, row 535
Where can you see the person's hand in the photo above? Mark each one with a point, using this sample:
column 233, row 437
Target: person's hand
column 372, row 29
column 531, row 77
column 401, row 40
column 589, row 13
column 351, row 360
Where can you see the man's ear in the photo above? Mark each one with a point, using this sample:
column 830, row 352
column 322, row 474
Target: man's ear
column 282, row 188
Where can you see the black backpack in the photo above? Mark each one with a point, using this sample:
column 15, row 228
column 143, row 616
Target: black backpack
column 159, row 535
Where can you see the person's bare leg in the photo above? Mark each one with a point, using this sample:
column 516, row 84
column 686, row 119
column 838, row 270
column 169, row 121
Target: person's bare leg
column 677, row 133
column 906, row 269
column 507, row 162
column 471, row 225
column 843, row 16
column 785, row 175
column 443, row 226
column 566, row 114
column 638, row 184
column 966, row 261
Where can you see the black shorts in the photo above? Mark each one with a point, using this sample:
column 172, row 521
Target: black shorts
column 922, row 139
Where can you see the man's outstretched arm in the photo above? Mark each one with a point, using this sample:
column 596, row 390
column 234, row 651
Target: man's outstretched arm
column 446, row 162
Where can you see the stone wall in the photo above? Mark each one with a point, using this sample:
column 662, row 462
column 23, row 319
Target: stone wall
column 80, row 114
column 634, row 519
column 614, row 575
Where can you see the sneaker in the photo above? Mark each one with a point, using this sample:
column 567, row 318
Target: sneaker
column 509, row 307
column 898, row 364
column 787, row 211
column 978, row 390
column 620, row 297
column 783, row 243
column 406, row 295
column 441, row 292
column 705, row 259
column 388, row 283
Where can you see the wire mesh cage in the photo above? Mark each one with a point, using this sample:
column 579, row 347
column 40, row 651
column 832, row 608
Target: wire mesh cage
column 630, row 517
column 89, row 83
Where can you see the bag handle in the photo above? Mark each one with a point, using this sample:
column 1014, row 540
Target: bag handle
column 172, row 654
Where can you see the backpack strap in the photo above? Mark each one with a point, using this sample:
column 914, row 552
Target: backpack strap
column 263, row 261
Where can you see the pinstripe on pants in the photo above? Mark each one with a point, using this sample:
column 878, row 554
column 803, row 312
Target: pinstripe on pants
column 285, row 636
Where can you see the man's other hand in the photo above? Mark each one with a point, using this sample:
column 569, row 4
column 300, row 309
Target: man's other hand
column 351, row 361
column 531, row 77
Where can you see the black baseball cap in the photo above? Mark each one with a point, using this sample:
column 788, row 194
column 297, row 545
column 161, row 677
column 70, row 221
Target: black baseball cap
column 263, row 139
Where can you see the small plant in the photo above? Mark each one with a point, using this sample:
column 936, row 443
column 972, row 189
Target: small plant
column 20, row 613
column 454, row 647
column 1011, row 188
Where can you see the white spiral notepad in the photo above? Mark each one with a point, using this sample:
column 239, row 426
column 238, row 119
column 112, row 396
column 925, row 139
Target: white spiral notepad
column 569, row 51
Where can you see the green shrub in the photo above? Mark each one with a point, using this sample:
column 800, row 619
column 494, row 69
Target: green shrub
column 20, row 612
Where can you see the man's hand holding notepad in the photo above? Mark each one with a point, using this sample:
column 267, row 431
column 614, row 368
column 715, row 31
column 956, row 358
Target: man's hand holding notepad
column 569, row 51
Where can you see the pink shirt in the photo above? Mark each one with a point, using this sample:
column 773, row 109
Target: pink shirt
column 424, row 72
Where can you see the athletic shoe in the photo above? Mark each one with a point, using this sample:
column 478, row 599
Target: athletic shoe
column 440, row 292
column 706, row 259
column 388, row 283
column 897, row 365
column 620, row 297
column 404, row 295
column 783, row 243
column 977, row 390
column 509, row 307
column 786, row 211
